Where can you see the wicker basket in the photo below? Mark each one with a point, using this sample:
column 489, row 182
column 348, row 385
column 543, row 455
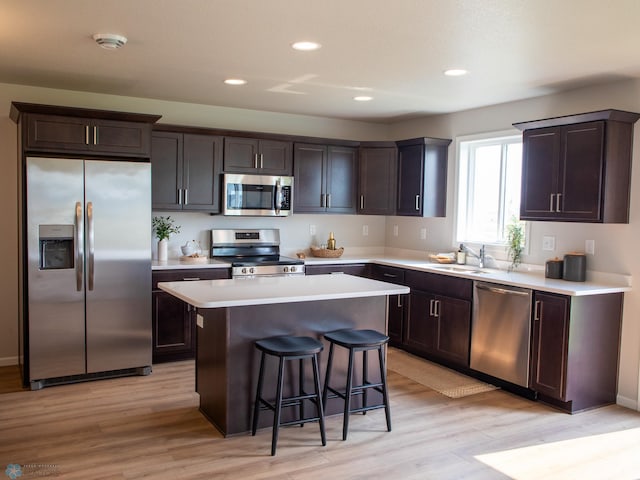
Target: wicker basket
column 326, row 253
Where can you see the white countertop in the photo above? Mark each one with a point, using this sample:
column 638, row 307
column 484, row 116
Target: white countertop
column 267, row 290
column 597, row 283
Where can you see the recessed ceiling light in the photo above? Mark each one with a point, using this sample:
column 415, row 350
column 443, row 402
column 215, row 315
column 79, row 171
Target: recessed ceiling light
column 305, row 46
column 235, row 81
column 455, row 72
column 363, row 98
column 110, row 41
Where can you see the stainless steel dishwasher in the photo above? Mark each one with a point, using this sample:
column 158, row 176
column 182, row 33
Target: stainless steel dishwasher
column 501, row 331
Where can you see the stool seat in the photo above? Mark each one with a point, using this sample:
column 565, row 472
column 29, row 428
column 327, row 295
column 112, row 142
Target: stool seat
column 357, row 338
column 289, row 346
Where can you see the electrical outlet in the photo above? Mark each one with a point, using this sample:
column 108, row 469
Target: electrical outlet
column 365, row 230
column 395, row 230
column 548, row 243
column 312, row 229
column 590, row 247
column 423, row 234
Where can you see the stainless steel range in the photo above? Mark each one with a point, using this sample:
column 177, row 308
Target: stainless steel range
column 253, row 252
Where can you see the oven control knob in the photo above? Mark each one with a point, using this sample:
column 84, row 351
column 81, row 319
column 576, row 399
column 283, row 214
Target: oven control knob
column 286, row 269
column 292, row 269
column 251, row 270
column 244, row 270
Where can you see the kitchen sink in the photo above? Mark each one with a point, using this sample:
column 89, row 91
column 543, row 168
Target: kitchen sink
column 458, row 268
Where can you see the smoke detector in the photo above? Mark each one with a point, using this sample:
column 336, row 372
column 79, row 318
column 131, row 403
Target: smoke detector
column 110, row 41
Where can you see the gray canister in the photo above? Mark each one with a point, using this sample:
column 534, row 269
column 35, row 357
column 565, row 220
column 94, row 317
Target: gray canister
column 575, row 267
column 553, row 268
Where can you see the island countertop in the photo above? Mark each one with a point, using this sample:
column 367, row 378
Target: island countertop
column 268, row 290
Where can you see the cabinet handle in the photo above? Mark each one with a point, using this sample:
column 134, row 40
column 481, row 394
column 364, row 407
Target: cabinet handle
column 417, row 202
column 361, row 202
column 431, row 308
column 399, row 301
column 389, row 275
column 261, row 160
column 558, row 209
column 86, row 134
column 186, row 196
column 537, row 310
column 437, row 309
column 255, row 160
column 190, row 279
column 328, row 200
column 323, row 200
column 95, row 135
column 179, row 196
column 551, row 202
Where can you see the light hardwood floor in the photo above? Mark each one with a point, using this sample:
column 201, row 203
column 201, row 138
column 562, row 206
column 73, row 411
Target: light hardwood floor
column 137, row 427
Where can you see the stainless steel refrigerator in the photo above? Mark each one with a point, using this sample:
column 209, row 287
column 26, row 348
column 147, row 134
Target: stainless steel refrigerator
column 87, row 270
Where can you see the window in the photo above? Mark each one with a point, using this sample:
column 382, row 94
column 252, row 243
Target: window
column 489, row 177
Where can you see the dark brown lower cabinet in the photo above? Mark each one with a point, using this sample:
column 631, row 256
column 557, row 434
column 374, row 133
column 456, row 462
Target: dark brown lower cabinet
column 357, row 269
column 396, row 319
column 574, row 362
column 440, row 326
column 174, row 323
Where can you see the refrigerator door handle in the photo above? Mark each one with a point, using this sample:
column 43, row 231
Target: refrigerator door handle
column 90, row 245
column 78, row 247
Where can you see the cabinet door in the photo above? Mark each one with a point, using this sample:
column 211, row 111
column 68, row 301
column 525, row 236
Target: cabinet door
column 396, row 319
column 174, row 328
column 166, row 170
column 540, row 163
column 342, row 179
column 377, row 181
column 240, row 155
column 357, row 269
column 203, row 166
column 275, row 157
column 454, row 329
column 54, row 132
column 422, row 325
column 410, row 172
column 581, row 172
column 550, row 344
column 121, row 138
column 309, row 178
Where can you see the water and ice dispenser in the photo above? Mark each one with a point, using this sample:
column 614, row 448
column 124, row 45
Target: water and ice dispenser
column 56, row 246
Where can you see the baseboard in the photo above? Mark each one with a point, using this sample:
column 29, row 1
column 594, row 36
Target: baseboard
column 627, row 402
column 8, row 361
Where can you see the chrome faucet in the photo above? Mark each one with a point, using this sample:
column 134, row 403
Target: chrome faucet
column 481, row 256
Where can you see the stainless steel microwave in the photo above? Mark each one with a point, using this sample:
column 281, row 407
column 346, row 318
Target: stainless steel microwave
column 257, row 195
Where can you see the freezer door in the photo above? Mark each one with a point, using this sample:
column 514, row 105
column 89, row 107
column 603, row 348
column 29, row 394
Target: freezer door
column 55, row 324
column 118, row 264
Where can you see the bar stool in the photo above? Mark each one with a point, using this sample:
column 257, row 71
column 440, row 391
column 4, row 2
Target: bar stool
column 289, row 348
column 358, row 341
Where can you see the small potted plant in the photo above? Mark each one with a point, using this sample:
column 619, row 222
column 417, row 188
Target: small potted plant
column 164, row 228
column 515, row 242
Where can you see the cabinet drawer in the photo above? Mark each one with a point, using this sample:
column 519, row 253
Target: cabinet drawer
column 357, row 269
column 388, row 274
column 189, row 274
column 440, row 284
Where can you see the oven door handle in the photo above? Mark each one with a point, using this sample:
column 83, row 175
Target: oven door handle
column 278, row 197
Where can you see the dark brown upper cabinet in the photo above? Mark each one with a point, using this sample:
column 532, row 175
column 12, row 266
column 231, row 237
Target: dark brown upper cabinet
column 422, row 177
column 257, row 156
column 325, row 178
column 577, row 168
column 185, row 171
column 377, row 180
column 67, row 130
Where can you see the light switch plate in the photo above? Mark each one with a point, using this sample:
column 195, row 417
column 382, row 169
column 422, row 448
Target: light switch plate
column 423, row 234
column 395, row 230
column 200, row 321
column 590, row 247
column 365, row 230
column 548, row 243
column 312, row 229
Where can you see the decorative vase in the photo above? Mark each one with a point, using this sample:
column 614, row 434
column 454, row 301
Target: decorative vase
column 163, row 248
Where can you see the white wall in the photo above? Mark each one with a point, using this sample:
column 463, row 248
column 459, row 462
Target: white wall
column 615, row 250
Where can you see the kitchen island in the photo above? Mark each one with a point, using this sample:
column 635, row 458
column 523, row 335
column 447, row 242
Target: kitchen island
column 233, row 314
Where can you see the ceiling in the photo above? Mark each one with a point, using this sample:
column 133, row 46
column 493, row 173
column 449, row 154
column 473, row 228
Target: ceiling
column 395, row 51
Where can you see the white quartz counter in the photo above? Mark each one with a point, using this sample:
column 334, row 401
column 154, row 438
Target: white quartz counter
column 597, row 283
column 267, row 290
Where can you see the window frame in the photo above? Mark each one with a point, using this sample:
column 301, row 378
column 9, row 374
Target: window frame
column 462, row 168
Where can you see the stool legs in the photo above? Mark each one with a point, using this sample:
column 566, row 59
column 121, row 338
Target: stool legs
column 256, row 404
column 385, row 392
column 278, row 410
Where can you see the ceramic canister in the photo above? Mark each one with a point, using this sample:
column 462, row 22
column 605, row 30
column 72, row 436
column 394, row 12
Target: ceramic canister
column 575, row 267
column 553, row 268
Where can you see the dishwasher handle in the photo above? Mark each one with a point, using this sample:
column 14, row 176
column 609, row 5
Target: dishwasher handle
column 501, row 291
